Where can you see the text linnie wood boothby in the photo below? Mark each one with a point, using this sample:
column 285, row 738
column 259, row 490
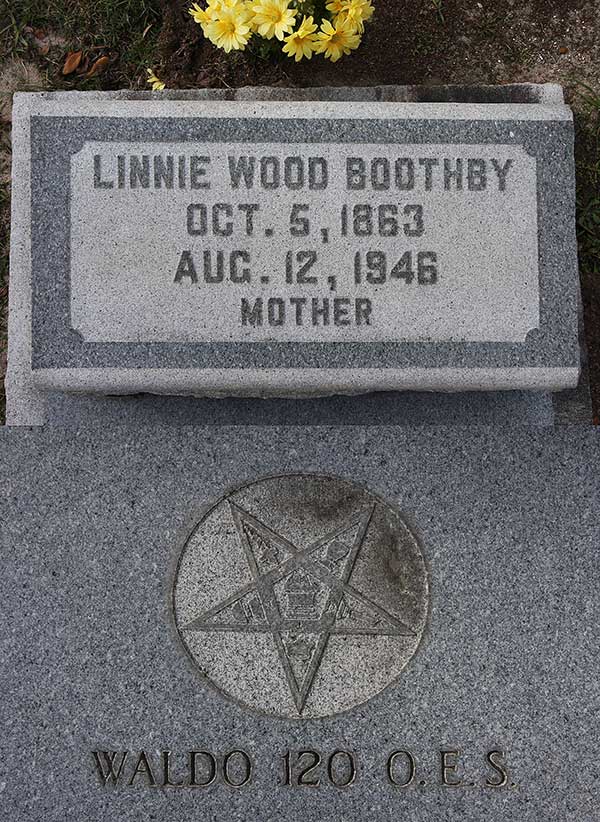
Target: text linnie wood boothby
column 300, row 267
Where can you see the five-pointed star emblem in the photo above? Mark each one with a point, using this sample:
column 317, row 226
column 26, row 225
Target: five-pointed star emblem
column 301, row 596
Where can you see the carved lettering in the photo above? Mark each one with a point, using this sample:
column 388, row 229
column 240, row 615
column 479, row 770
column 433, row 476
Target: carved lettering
column 109, row 766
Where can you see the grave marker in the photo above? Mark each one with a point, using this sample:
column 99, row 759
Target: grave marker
column 252, row 624
column 209, row 247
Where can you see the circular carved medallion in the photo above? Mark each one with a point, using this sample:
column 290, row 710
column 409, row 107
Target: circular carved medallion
column 301, row 595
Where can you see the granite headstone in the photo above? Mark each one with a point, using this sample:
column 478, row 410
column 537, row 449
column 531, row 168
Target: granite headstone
column 201, row 246
column 302, row 623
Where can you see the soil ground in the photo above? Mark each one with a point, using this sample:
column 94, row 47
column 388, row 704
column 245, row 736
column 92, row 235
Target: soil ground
column 408, row 42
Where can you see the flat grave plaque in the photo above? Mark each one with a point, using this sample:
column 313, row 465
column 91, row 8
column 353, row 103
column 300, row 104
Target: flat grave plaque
column 301, row 623
column 233, row 247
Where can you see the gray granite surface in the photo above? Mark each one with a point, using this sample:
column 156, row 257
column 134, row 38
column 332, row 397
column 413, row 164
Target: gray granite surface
column 508, row 525
column 506, row 408
column 70, row 333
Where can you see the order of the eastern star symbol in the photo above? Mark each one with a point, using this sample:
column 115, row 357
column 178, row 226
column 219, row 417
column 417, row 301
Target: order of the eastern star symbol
column 300, row 596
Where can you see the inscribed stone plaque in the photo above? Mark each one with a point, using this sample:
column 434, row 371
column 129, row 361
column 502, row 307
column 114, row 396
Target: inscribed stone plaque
column 231, row 247
column 298, row 241
column 105, row 713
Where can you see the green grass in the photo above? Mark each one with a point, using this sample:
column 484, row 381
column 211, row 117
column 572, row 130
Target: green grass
column 124, row 29
column 588, row 167
column 438, row 5
column 100, row 22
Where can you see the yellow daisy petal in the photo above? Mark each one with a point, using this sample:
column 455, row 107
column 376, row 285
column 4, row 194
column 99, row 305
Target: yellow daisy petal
column 273, row 18
column 335, row 41
column 302, row 42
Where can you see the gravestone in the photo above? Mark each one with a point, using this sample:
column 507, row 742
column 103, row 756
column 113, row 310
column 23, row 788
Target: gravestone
column 301, row 623
column 276, row 619
column 214, row 247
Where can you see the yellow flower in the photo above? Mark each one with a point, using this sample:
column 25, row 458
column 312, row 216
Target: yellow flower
column 336, row 6
column 273, row 18
column 230, row 30
column 212, row 11
column 301, row 43
column 356, row 12
column 219, row 5
column 200, row 15
column 157, row 85
column 334, row 42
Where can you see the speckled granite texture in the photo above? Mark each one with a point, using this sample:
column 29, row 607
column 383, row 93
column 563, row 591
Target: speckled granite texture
column 48, row 352
column 508, row 524
column 384, row 408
